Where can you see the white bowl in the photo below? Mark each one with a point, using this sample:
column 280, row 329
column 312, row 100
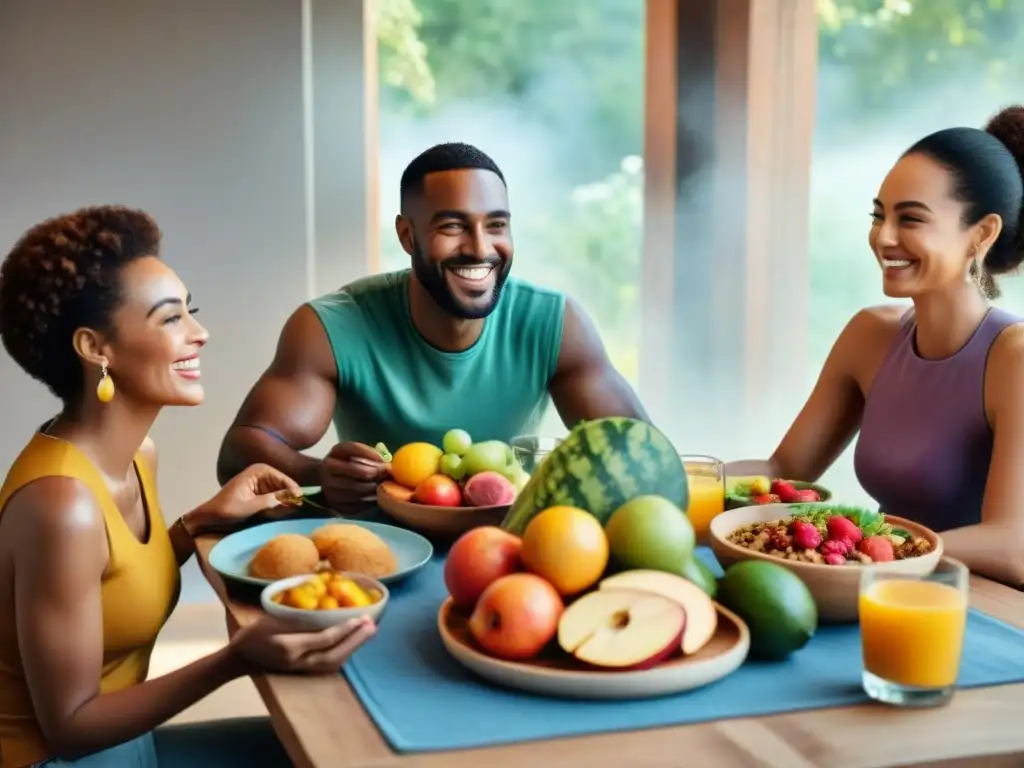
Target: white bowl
column 317, row 619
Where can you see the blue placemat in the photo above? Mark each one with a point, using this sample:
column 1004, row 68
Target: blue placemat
column 422, row 700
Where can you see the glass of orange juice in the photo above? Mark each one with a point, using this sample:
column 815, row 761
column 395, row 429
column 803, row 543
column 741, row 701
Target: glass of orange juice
column 912, row 633
column 705, row 476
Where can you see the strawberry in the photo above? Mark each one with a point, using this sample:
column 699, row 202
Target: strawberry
column 835, row 547
column 834, row 559
column 808, row 494
column 805, row 535
column 843, row 528
column 784, row 490
column 766, row 498
column 878, row 548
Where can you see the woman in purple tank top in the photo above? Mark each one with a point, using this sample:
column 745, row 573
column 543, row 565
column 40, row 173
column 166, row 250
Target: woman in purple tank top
column 936, row 391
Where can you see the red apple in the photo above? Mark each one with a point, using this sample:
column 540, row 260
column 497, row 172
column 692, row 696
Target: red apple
column 516, row 616
column 622, row 629
column 438, row 491
column 701, row 614
column 477, row 559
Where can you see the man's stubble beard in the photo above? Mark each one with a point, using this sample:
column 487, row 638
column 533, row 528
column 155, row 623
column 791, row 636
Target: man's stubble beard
column 432, row 278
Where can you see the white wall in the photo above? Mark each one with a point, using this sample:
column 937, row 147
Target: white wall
column 222, row 119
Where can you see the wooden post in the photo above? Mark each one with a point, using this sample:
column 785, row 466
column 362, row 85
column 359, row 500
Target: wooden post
column 730, row 114
column 341, row 95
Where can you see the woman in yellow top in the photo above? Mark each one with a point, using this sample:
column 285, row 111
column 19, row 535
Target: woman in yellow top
column 88, row 569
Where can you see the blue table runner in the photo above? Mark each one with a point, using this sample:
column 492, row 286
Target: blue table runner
column 422, row 700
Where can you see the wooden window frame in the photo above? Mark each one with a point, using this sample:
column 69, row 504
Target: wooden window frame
column 726, row 274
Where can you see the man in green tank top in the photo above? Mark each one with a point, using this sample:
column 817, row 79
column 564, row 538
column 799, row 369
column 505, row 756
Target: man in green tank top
column 453, row 342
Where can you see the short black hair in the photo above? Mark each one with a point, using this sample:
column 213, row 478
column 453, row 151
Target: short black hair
column 62, row 275
column 987, row 170
column 450, row 156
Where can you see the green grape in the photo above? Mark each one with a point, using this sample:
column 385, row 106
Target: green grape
column 452, row 465
column 457, row 441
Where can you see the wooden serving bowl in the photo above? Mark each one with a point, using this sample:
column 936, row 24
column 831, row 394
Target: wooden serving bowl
column 555, row 674
column 835, row 588
column 439, row 522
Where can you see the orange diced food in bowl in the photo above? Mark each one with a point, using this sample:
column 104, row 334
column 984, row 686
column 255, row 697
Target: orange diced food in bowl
column 327, row 591
column 304, row 597
column 327, row 603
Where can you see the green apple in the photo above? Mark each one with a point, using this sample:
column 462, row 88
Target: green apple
column 519, row 476
column 457, row 441
column 650, row 532
column 488, row 456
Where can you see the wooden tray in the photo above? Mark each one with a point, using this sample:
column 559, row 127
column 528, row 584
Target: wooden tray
column 439, row 522
column 554, row 674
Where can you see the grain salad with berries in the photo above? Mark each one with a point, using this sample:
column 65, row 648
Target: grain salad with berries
column 831, row 535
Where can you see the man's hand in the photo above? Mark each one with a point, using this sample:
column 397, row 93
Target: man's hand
column 349, row 476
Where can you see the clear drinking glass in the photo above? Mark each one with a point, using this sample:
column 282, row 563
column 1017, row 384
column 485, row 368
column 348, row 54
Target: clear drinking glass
column 531, row 450
column 705, row 476
column 912, row 633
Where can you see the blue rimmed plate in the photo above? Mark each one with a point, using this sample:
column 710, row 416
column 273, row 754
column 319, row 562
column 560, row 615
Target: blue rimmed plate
column 231, row 555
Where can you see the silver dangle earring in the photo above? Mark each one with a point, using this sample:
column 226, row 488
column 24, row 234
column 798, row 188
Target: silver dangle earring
column 974, row 271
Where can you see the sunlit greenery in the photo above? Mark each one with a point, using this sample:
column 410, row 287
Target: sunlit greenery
column 575, row 68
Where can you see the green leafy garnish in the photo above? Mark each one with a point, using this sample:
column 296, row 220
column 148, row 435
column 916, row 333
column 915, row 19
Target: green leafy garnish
column 871, row 522
column 741, row 490
column 385, row 454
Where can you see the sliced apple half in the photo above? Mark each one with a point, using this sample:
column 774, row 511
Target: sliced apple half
column 701, row 615
column 622, row 629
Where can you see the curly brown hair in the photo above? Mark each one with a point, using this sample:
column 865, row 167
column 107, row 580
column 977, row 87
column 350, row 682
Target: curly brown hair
column 64, row 274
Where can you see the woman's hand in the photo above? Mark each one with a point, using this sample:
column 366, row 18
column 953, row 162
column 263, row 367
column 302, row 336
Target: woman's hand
column 257, row 488
column 271, row 645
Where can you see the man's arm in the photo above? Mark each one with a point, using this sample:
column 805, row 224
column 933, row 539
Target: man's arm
column 289, row 409
column 586, row 384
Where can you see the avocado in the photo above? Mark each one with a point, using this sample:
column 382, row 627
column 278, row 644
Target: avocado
column 695, row 570
column 774, row 602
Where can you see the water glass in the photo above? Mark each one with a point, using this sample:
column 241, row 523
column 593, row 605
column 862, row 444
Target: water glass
column 531, row 450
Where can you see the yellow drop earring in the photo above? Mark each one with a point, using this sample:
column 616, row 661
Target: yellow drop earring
column 105, row 389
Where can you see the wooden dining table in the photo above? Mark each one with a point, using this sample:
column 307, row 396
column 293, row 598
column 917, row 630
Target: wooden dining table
column 322, row 724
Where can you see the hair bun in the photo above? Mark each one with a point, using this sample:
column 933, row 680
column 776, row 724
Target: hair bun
column 1008, row 127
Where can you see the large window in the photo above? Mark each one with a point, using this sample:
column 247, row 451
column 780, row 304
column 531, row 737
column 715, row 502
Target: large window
column 554, row 92
column 890, row 73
